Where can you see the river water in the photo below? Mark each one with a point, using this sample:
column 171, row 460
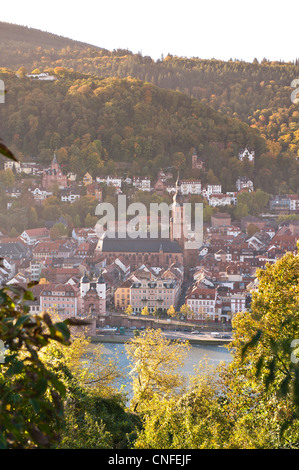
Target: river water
column 213, row 355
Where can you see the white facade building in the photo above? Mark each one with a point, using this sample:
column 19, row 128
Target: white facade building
column 159, row 293
column 143, row 184
column 220, row 200
column 190, row 187
column 110, row 180
column 203, row 303
column 245, row 153
column 211, row 189
column 40, row 194
column 244, row 182
column 237, row 303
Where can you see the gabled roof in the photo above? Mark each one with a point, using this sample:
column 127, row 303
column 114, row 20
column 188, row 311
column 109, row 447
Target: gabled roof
column 140, row 245
column 37, row 232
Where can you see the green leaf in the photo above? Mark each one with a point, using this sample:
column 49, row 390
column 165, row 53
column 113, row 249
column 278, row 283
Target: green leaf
column 3, row 444
column 284, row 386
column 32, row 283
column 41, row 386
column 35, row 404
column 271, row 375
column 296, row 387
column 259, row 366
column 28, row 295
column 254, row 340
column 15, row 368
column 63, row 329
column 57, row 384
column 22, row 320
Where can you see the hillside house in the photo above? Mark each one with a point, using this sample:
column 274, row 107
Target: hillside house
column 34, row 235
column 190, row 187
column 245, row 153
column 142, row 184
column 53, row 176
column 197, row 162
column 216, row 200
column 244, row 182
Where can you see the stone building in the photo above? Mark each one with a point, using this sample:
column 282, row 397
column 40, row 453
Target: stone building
column 160, row 252
column 53, row 176
column 93, row 296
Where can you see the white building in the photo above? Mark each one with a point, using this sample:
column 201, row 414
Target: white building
column 245, row 153
column 233, row 197
column 211, row 189
column 237, row 303
column 110, row 180
column 294, row 202
column 7, row 270
column 93, row 296
column 143, row 184
column 234, row 231
column 190, row 187
column 220, row 200
column 41, row 76
column 10, row 164
column 35, row 270
column 244, row 182
column 30, row 168
column 68, row 195
column 31, row 236
column 203, row 303
column 40, row 194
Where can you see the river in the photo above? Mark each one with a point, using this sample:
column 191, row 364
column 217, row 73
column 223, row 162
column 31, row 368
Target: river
column 197, row 353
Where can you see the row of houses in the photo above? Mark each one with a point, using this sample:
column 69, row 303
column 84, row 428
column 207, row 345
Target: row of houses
column 154, row 288
column 226, row 278
column 54, row 177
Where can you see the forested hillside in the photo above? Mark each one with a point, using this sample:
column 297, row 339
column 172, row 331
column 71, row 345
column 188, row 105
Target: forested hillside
column 133, row 121
column 90, row 121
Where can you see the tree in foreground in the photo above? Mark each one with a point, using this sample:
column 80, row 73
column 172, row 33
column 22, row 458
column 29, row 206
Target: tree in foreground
column 194, row 419
column 251, row 402
column 31, row 403
column 266, row 341
column 155, row 362
column 95, row 410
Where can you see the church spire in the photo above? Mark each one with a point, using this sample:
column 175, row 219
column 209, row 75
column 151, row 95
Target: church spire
column 54, row 161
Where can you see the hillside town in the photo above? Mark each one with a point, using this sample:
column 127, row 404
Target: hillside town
column 111, row 281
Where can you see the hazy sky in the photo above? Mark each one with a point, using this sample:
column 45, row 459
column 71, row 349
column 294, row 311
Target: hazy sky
column 189, row 28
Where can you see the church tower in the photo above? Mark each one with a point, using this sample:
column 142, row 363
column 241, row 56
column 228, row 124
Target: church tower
column 177, row 217
column 93, row 296
column 194, row 159
column 178, row 227
column 101, row 287
column 84, row 285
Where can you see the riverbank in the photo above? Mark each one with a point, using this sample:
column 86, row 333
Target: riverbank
column 201, row 338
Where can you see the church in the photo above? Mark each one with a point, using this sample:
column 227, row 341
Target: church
column 53, row 176
column 159, row 252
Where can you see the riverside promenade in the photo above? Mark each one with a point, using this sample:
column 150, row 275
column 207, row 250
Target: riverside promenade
column 214, row 333
column 197, row 338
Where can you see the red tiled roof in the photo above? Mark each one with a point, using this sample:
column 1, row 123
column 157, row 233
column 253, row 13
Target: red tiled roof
column 35, row 232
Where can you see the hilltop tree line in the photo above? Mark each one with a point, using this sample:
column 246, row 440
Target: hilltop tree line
column 90, row 121
column 94, row 124
column 258, row 93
